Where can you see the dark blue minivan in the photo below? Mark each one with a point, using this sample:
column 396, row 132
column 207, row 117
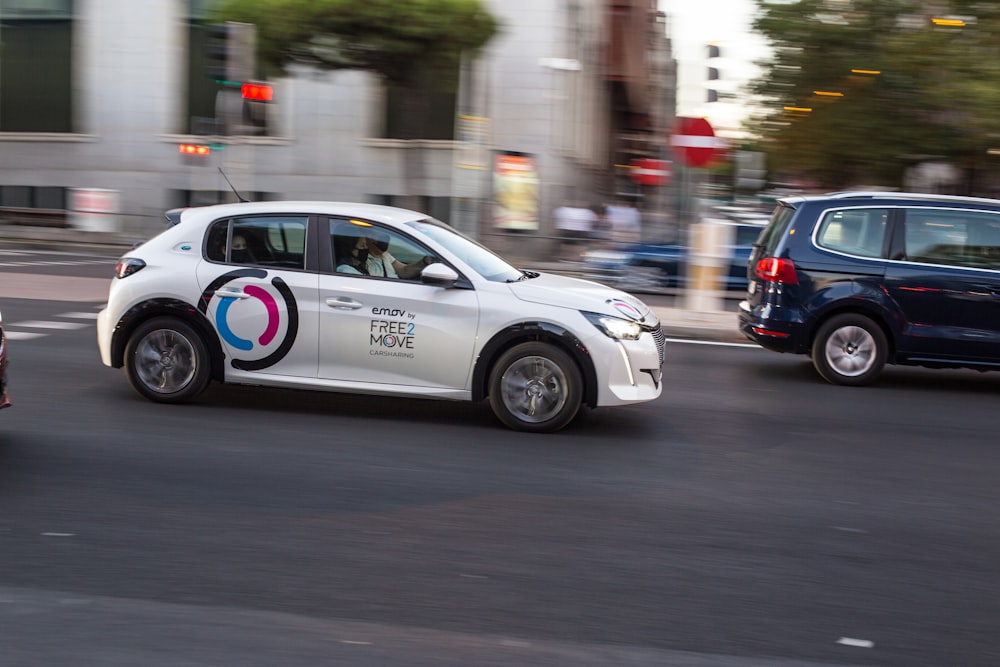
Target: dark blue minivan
column 861, row 279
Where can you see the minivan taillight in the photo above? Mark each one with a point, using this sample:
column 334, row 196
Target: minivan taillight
column 776, row 270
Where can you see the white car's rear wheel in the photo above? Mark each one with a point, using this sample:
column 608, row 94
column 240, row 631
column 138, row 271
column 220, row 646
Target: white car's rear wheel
column 535, row 387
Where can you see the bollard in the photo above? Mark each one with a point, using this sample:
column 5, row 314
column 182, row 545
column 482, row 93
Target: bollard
column 710, row 243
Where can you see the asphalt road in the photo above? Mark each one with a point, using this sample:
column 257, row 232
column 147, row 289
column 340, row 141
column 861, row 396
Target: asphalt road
column 751, row 516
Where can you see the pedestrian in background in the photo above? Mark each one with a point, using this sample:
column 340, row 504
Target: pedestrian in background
column 575, row 224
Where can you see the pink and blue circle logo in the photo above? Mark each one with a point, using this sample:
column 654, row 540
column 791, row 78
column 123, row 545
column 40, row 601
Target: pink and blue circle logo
column 626, row 309
column 272, row 321
column 270, row 330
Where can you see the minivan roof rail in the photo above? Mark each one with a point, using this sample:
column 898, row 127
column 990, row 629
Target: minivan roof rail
column 869, row 194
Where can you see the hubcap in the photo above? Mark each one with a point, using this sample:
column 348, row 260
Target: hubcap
column 165, row 361
column 534, row 389
column 851, row 351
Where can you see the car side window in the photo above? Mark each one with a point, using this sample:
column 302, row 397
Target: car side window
column 216, row 241
column 953, row 238
column 363, row 249
column 277, row 241
column 858, row 232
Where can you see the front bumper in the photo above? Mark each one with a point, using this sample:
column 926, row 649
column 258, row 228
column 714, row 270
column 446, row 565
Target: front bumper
column 4, row 397
column 628, row 371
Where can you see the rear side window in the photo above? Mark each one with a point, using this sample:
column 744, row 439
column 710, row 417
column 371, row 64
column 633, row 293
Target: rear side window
column 856, row 231
column 277, row 241
column 952, row 238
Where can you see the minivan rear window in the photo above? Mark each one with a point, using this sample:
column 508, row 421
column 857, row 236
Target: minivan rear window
column 769, row 238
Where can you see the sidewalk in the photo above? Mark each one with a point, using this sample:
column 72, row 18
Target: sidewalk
column 715, row 325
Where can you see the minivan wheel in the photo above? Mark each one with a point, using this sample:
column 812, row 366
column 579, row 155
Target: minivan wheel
column 167, row 361
column 849, row 349
column 535, row 387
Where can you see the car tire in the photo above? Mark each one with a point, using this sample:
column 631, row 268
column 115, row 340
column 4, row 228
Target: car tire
column 535, row 387
column 167, row 361
column 849, row 349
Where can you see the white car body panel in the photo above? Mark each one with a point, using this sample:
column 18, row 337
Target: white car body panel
column 395, row 332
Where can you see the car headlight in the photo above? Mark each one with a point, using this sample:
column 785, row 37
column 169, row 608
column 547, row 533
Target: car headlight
column 615, row 327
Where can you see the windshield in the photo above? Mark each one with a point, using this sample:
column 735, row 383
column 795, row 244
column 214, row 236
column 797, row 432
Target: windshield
column 483, row 261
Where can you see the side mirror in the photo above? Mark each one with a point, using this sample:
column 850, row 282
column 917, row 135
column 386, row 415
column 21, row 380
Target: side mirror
column 438, row 275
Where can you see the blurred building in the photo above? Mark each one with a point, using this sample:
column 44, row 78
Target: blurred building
column 97, row 97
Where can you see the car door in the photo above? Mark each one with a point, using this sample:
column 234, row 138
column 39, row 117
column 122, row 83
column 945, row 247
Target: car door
column 946, row 282
column 392, row 330
column 260, row 296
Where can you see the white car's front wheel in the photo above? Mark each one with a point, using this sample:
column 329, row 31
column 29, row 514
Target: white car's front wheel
column 167, row 361
column 535, row 387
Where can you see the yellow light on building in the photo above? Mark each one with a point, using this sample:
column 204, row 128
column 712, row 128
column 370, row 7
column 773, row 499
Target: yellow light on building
column 827, row 93
column 952, row 23
column 866, row 71
column 799, row 109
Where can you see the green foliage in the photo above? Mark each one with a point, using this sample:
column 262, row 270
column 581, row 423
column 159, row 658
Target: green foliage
column 399, row 39
column 935, row 94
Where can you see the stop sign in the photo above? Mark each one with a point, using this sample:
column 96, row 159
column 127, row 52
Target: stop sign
column 647, row 171
column 694, row 141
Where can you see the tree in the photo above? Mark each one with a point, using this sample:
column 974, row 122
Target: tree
column 859, row 89
column 411, row 44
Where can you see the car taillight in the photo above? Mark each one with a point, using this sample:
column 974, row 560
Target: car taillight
column 776, row 270
column 127, row 266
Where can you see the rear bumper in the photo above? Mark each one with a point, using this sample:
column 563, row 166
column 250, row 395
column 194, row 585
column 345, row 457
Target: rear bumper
column 772, row 328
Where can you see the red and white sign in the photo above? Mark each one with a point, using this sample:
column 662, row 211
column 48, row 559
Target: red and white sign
column 647, row 171
column 695, row 142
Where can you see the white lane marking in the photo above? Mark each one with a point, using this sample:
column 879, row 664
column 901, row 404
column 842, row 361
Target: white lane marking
column 39, row 324
column 710, row 342
column 59, row 534
column 355, row 643
column 62, row 262
column 849, row 530
column 79, row 316
column 23, row 335
column 859, row 643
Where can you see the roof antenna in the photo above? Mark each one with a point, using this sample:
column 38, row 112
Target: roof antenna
column 240, row 197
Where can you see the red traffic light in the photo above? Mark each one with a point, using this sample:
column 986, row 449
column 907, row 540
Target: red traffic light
column 258, row 92
column 194, row 149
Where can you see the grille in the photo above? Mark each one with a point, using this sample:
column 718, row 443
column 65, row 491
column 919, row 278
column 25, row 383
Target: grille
column 661, row 341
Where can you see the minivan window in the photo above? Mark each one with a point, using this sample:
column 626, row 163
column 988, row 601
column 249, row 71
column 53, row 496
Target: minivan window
column 856, row 231
column 780, row 219
column 952, row 238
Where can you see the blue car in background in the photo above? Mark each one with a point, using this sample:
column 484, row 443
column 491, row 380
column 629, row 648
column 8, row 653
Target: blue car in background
column 652, row 266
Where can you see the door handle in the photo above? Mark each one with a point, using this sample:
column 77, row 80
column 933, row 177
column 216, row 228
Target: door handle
column 232, row 294
column 343, row 303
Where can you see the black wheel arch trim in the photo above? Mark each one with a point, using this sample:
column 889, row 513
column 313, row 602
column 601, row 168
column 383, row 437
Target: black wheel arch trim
column 534, row 331
column 186, row 312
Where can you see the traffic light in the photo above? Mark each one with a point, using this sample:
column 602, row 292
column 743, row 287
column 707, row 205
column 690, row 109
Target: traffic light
column 712, row 94
column 258, row 92
column 200, row 150
column 195, row 154
column 230, row 52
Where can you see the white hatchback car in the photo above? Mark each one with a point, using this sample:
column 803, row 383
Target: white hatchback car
column 369, row 299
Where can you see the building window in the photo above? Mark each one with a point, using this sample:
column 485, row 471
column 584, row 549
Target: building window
column 428, row 112
column 36, row 87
